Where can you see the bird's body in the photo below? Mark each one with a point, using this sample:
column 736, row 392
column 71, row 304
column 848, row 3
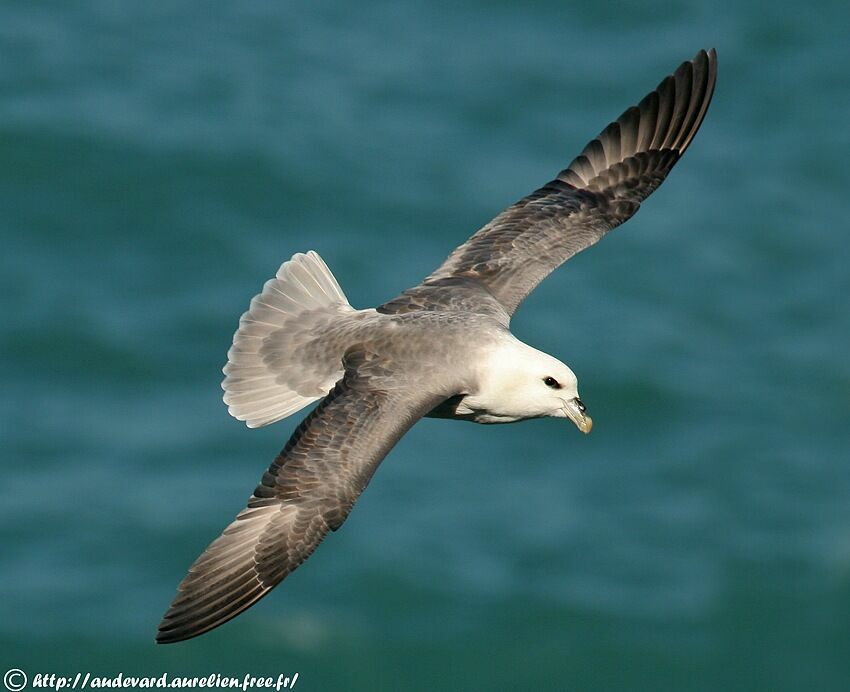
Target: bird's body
column 442, row 348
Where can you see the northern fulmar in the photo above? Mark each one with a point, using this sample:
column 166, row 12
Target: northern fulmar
column 442, row 348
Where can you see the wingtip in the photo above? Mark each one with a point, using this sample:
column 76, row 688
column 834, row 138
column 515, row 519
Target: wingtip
column 165, row 631
column 171, row 632
column 665, row 120
column 709, row 56
column 163, row 636
column 706, row 53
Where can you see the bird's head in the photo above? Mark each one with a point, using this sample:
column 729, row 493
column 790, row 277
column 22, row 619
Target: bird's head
column 523, row 382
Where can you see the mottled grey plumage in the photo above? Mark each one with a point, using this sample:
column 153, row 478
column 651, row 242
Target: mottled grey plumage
column 441, row 348
column 599, row 190
column 309, row 489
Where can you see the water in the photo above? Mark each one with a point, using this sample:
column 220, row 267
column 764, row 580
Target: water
column 158, row 161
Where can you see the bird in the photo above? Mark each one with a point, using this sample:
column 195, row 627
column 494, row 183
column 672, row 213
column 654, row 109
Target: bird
column 442, row 348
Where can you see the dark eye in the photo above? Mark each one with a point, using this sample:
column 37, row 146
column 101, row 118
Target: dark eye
column 551, row 382
column 580, row 405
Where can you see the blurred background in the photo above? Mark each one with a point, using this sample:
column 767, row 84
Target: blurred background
column 159, row 160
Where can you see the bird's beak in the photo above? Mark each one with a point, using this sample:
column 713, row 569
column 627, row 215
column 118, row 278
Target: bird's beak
column 578, row 416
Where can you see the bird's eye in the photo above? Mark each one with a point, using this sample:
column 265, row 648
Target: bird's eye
column 580, row 405
column 551, row 382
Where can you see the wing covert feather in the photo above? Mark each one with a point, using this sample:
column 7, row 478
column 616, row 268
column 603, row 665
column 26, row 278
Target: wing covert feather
column 602, row 187
column 308, row 490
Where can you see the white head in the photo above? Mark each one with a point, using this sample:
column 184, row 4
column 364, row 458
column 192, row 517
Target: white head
column 519, row 382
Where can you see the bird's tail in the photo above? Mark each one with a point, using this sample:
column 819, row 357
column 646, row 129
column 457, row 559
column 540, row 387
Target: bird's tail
column 281, row 359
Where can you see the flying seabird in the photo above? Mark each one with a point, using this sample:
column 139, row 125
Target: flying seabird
column 442, row 348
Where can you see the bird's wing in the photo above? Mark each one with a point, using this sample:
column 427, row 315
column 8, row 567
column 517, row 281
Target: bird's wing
column 601, row 188
column 308, row 490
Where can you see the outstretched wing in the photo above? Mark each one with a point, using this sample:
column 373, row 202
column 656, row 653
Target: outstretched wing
column 308, row 490
column 601, row 188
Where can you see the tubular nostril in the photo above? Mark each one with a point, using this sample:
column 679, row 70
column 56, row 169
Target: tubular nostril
column 580, row 405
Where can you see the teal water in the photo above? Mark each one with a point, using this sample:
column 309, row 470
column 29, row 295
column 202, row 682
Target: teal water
column 159, row 160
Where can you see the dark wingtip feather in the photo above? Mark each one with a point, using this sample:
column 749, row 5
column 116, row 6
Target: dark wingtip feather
column 178, row 627
column 665, row 120
column 225, row 579
column 706, row 64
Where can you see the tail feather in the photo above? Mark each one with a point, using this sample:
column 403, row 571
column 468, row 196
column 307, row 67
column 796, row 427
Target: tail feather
column 268, row 376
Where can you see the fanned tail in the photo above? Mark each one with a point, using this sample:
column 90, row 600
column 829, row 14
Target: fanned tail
column 277, row 364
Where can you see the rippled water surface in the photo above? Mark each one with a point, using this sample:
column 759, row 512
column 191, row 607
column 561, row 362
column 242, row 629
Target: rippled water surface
column 159, row 160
